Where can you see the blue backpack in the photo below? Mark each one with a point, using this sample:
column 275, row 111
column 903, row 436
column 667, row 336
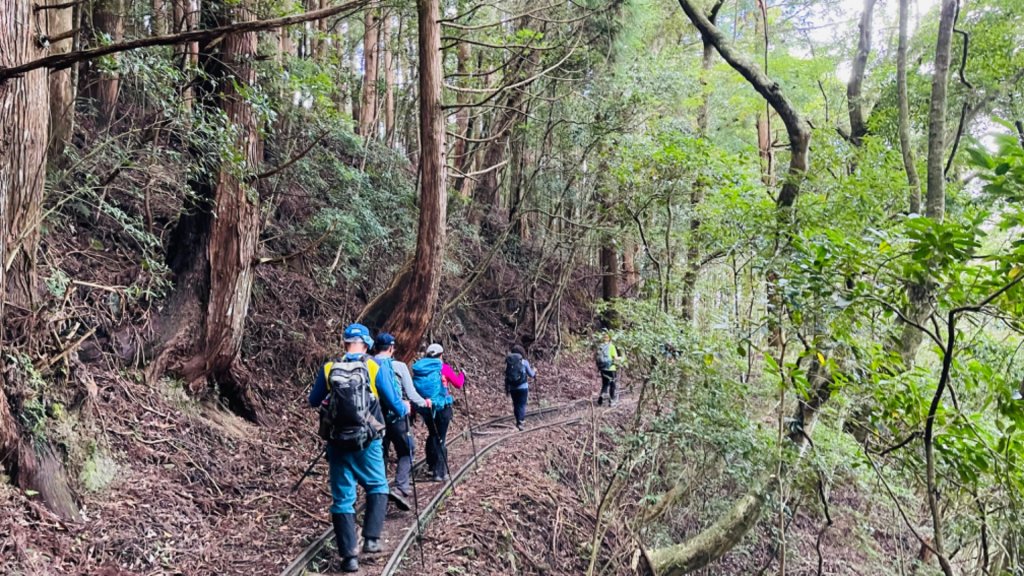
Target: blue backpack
column 426, row 377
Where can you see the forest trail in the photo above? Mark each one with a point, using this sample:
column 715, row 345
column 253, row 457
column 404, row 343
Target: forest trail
column 402, row 531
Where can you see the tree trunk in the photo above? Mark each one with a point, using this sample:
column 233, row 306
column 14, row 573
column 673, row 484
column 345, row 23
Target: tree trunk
column 462, row 151
column 697, row 192
column 159, row 17
column 854, row 97
column 108, row 25
column 904, row 112
column 629, row 269
column 214, row 245
column 186, row 17
column 919, row 297
column 415, row 291
column 24, row 121
column 389, row 82
column 368, row 108
column 62, row 88
column 354, row 93
column 609, row 270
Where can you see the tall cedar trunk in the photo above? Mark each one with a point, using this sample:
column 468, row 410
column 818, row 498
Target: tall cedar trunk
column 697, row 191
column 389, row 81
column 462, row 151
column 159, row 17
column 854, row 97
column 186, row 17
column 517, row 218
column 356, row 85
column 904, row 113
column 108, row 24
column 723, row 535
column 24, row 121
column 23, row 109
column 215, row 245
column 629, row 270
column 609, row 270
column 919, row 305
column 62, row 87
column 368, row 108
column 414, row 292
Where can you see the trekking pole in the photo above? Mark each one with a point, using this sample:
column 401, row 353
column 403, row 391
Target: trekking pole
column 415, row 494
column 469, row 415
column 309, row 469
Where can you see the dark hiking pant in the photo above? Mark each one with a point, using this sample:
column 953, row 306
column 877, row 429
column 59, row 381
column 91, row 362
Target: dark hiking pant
column 519, row 399
column 397, row 435
column 437, row 435
column 608, row 381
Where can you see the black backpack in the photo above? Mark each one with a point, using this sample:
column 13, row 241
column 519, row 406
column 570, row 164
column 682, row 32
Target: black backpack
column 515, row 373
column 349, row 417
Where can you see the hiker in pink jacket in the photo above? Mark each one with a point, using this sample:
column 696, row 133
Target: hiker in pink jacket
column 450, row 376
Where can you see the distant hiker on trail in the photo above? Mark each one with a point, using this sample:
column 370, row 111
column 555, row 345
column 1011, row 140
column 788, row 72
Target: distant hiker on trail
column 605, row 357
column 348, row 392
column 397, row 432
column 431, row 378
column 517, row 384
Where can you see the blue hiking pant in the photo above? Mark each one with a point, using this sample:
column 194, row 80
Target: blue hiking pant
column 519, row 399
column 364, row 467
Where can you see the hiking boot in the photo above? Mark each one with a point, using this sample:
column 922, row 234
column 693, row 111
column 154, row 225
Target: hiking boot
column 439, row 478
column 614, row 402
column 372, row 546
column 345, row 537
column 396, row 497
column 520, row 426
column 600, row 399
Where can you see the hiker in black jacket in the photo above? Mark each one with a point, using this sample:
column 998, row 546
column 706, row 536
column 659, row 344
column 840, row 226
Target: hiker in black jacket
column 517, row 384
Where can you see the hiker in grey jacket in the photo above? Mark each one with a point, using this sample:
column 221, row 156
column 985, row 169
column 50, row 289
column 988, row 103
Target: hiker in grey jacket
column 402, row 371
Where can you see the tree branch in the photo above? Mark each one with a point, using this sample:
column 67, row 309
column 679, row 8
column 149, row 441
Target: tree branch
column 61, row 61
column 796, row 127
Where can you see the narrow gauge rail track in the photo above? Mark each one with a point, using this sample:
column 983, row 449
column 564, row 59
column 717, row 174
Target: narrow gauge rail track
column 406, row 532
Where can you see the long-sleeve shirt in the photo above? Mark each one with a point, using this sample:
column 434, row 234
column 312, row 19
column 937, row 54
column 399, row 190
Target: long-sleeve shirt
column 402, row 372
column 380, row 385
column 448, row 374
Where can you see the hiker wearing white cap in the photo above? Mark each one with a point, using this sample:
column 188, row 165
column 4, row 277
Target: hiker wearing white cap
column 431, row 377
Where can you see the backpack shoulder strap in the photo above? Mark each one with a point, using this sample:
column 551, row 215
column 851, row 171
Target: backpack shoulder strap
column 373, row 368
column 327, row 374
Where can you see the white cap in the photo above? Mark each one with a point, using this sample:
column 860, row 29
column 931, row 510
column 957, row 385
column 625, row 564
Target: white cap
column 434, row 350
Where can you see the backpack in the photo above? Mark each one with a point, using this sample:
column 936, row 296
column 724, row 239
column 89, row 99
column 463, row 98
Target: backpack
column 349, row 416
column 515, row 373
column 426, row 378
column 604, row 356
column 386, row 366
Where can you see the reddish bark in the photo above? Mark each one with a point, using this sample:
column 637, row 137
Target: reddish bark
column 414, row 292
column 215, row 244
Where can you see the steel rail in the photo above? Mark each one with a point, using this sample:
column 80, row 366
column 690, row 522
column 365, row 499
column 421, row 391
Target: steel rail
column 296, row 567
column 428, row 513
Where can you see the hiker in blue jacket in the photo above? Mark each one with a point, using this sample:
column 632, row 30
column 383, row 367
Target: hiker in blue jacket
column 517, row 384
column 362, row 464
column 430, row 376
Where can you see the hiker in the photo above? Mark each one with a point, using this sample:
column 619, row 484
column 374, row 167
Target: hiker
column 431, row 377
column 397, row 431
column 517, row 384
column 606, row 356
column 349, row 393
